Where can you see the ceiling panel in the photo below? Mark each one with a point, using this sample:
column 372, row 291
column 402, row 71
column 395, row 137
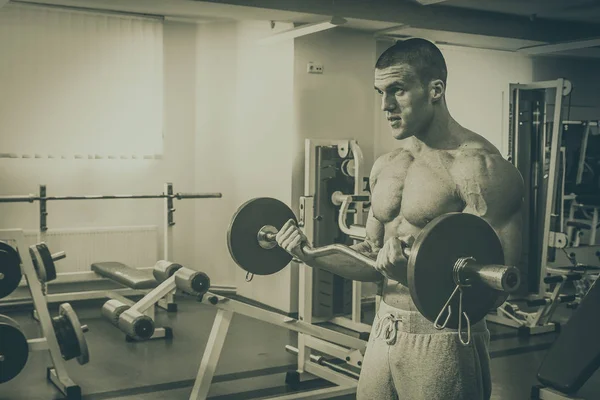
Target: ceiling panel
column 568, row 10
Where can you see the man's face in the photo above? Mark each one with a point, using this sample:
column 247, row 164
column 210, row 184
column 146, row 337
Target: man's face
column 404, row 100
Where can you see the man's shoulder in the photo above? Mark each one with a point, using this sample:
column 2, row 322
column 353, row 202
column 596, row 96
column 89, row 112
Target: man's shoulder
column 479, row 169
column 475, row 160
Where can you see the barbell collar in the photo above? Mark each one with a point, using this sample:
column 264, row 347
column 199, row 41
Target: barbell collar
column 498, row 277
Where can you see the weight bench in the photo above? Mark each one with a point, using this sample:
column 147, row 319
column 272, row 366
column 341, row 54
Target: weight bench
column 575, row 355
column 142, row 323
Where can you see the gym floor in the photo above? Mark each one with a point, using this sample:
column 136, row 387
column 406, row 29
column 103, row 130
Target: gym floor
column 253, row 362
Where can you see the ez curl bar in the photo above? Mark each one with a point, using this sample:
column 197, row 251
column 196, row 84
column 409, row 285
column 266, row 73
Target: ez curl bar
column 455, row 263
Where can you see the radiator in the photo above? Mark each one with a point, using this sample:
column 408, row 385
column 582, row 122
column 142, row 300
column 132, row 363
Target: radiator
column 136, row 246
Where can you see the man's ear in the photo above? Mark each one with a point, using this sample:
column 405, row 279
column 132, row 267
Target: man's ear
column 436, row 90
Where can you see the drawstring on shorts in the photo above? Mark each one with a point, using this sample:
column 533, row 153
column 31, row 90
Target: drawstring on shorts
column 388, row 325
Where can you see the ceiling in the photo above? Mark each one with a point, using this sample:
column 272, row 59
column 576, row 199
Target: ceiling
column 566, row 10
column 497, row 24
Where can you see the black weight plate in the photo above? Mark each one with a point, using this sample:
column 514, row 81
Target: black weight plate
column 243, row 230
column 47, row 262
column 432, row 257
column 10, row 269
column 69, row 335
column 14, row 349
column 33, row 253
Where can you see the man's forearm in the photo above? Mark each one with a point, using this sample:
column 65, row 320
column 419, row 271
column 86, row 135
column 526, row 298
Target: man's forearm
column 353, row 271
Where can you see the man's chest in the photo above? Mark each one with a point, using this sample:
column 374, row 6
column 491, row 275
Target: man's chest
column 415, row 189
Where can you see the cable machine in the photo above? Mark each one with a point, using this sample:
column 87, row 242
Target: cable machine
column 534, row 147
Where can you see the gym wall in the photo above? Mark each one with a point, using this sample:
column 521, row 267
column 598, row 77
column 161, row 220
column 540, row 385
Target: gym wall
column 244, row 142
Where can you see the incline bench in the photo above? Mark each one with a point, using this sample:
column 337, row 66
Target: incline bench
column 575, row 355
column 137, row 279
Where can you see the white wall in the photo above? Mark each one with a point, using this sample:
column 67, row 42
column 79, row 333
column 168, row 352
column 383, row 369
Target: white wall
column 244, row 142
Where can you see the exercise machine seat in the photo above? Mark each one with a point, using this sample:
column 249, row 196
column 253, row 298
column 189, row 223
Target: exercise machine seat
column 575, row 355
column 125, row 275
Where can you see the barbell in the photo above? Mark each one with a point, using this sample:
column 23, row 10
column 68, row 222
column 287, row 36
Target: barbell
column 455, row 263
column 30, row 198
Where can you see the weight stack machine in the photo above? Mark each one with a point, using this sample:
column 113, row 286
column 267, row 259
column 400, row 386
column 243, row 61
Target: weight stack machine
column 534, row 147
column 332, row 211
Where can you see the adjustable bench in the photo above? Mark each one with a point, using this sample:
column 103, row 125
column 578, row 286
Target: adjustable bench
column 575, row 355
column 137, row 279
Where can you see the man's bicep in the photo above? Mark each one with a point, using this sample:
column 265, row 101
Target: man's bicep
column 496, row 194
column 374, row 236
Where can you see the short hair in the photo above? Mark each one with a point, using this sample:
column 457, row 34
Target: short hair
column 424, row 56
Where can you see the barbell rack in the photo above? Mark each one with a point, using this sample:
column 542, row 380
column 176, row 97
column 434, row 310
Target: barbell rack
column 43, row 199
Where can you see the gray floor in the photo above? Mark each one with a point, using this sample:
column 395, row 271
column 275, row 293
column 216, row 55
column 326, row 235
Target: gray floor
column 252, row 365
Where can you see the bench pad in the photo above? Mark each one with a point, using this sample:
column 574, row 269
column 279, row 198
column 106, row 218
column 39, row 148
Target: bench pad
column 125, row 275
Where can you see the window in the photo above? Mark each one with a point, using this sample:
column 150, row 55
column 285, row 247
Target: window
column 78, row 84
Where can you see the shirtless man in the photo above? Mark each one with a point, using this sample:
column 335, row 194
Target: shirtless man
column 439, row 167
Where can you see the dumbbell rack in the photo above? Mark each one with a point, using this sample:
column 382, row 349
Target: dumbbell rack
column 57, row 374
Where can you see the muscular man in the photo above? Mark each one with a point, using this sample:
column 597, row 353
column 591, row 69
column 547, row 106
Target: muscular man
column 439, row 167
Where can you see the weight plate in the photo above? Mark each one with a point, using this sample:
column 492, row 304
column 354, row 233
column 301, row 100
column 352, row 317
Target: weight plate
column 430, row 266
column 14, row 350
column 10, row 269
column 47, row 262
column 242, row 235
column 70, row 336
column 35, row 260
